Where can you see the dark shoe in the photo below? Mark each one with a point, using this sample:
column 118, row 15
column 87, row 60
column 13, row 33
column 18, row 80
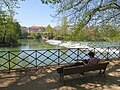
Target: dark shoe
column 82, row 73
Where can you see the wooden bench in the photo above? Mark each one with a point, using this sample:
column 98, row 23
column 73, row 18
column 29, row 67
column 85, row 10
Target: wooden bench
column 81, row 69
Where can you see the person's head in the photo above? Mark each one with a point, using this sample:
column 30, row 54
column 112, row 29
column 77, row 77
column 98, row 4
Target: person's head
column 91, row 54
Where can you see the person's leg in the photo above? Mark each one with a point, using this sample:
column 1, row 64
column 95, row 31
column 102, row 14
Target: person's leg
column 60, row 70
column 78, row 63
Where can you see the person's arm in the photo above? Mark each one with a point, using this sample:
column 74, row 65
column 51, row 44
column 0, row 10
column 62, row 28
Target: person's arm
column 86, row 61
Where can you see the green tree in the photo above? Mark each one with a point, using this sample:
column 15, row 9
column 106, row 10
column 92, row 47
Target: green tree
column 89, row 12
column 9, row 28
column 84, row 11
column 49, row 28
column 36, row 35
column 8, row 32
column 64, row 26
column 18, row 28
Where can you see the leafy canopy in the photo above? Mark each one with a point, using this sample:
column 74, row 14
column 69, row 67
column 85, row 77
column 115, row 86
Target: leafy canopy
column 89, row 12
column 83, row 11
column 86, row 12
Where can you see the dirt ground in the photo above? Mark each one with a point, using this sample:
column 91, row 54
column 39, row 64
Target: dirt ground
column 46, row 79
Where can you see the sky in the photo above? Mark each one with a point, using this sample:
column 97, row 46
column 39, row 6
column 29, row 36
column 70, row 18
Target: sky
column 33, row 12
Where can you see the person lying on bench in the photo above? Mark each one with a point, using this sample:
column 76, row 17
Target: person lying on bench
column 91, row 60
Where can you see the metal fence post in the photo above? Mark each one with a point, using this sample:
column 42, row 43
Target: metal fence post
column 108, row 53
column 9, row 57
column 58, row 56
column 94, row 50
column 9, row 60
column 36, row 58
column 119, row 52
column 78, row 55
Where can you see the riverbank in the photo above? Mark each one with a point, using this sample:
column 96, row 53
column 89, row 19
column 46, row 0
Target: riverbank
column 48, row 79
column 9, row 45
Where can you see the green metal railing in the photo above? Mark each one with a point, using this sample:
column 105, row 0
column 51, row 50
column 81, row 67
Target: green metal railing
column 11, row 60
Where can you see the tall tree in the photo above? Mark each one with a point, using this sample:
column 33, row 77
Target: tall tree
column 64, row 24
column 90, row 11
column 64, row 27
column 49, row 28
column 9, row 28
column 83, row 11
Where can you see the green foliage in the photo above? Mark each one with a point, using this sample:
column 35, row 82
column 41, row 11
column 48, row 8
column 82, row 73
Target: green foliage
column 89, row 12
column 9, row 31
column 64, row 27
column 99, row 16
column 36, row 35
column 49, row 28
column 50, row 31
column 18, row 28
column 50, row 1
column 94, row 33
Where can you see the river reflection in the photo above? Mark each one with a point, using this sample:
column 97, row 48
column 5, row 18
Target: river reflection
column 31, row 44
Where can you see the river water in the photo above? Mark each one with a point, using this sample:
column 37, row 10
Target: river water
column 33, row 53
column 31, row 44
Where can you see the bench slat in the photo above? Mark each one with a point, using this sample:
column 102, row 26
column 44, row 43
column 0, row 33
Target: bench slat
column 85, row 68
column 81, row 69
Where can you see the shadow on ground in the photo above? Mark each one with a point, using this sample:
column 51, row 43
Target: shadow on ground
column 46, row 79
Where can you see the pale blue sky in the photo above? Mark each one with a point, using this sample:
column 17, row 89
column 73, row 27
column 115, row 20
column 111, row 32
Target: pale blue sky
column 33, row 12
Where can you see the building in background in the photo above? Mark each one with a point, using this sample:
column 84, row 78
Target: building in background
column 36, row 29
column 27, row 31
